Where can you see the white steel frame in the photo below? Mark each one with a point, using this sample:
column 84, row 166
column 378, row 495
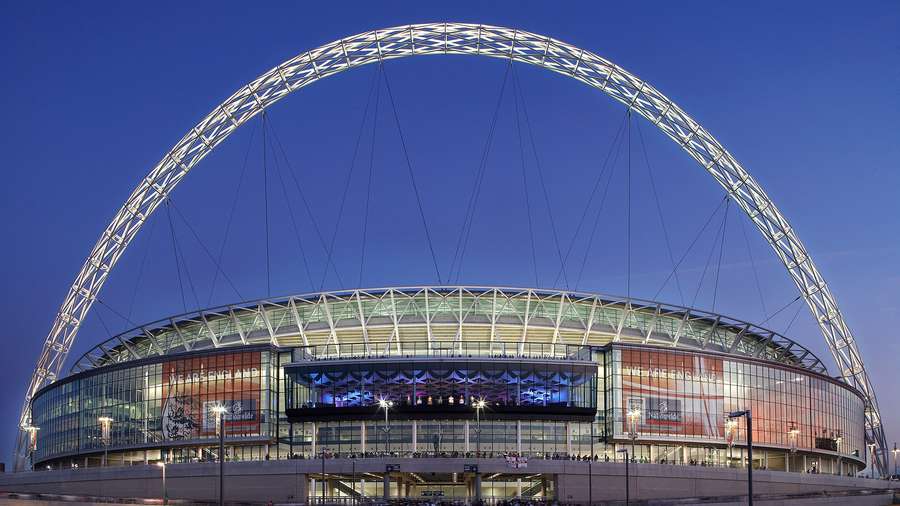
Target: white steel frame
column 467, row 39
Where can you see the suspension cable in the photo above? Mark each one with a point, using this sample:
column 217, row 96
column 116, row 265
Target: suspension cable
column 691, row 246
column 218, row 259
column 375, row 81
column 721, row 255
column 762, row 300
column 306, row 205
column 773, row 315
column 171, row 202
column 480, row 170
column 265, row 171
column 362, row 256
column 614, row 148
column 140, row 276
column 659, row 211
column 412, row 177
column 612, row 172
column 291, row 215
column 537, row 162
column 712, row 250
column 628, row 214
column 537, row 282
column 175, row 254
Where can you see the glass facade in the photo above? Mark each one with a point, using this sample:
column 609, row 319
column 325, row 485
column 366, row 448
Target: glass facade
column 684, row 396
column 159, row 404
column 666, row 405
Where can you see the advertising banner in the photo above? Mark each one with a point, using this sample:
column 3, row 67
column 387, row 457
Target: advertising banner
column 668, row 393
column 193, row 387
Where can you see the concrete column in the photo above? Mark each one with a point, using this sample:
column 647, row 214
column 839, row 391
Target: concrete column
column 519, row 441
column 477, row 487
column 315, row 436
column 518, row 487
column 415, row 427
column 568, row 438
column 386, row 482
column 362, row 436
column 466, row 433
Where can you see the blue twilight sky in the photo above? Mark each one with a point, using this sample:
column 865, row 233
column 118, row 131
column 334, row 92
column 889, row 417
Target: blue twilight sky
column 804, row 94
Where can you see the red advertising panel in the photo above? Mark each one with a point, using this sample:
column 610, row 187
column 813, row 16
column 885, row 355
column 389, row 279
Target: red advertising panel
column 193, row 387
column 669, row 393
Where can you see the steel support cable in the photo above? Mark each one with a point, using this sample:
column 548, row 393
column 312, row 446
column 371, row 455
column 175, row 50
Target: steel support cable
column 537, row 163
column 691, row 246
column 362, row 125
column 293, row 219
column 712, row 250
column 175, row 254
column 793, row 318
column 614, row 147
column 628, row 212
column 412, row 177
column 471, row 205
column 596, row 224
column 187, row 273
column 773, row 315
column 312, row 217
column 140, row 276
column 537, row 282
column 762, row 300
column 231, row 211
column 120, row 315
column 721, row 255
column 171, row 202
column 659, row 212
column 265, row 171
column 362, row 256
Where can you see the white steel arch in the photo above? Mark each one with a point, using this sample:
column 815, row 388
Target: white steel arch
column 467, row 39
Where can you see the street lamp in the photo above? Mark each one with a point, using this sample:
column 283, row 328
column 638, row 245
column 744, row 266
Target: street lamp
column 748, row 415
column 162, row 466
column 634, row 415
column 105, row 424
column 219, row 411
column 32, row 442
column 386, row 405
column 894, row 451
column 872, row 460
column 625, row 451
column 479, row 405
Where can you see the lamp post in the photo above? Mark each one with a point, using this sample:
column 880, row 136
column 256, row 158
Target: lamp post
column 749, row 417
column 162, row 465
column 32, row 442
column 219, row 411
column 479, row 405
column 872, row 460
column 627, row 497
column 386, row 405
column 105, row 424
column 634, row 415
column 894, row 451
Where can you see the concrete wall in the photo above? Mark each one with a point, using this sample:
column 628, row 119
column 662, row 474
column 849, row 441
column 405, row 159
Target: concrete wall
column 286, row 481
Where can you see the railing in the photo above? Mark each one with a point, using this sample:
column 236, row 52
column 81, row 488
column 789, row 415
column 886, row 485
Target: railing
column 446, row 349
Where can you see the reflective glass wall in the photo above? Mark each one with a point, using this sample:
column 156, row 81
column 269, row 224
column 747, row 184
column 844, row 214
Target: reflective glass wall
column 159, row 404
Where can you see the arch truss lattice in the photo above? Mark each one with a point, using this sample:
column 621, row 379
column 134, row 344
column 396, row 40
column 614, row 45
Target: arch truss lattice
column 465, row 39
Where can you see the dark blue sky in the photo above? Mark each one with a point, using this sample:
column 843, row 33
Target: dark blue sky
column 804, row 95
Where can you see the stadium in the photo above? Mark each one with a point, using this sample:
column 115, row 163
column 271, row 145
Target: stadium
column 450, row 372
column 468, row 393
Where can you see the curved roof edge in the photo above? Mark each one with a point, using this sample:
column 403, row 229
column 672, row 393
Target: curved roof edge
column 291, row 320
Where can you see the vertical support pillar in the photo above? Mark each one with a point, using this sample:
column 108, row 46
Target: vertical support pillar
column 315, row 437
column 568, row 438
column 477, row 487
column 386, row 483
column 466, row 433
column 415, row 428
column 519, row 439
column 362, row 436
column 518, row 487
